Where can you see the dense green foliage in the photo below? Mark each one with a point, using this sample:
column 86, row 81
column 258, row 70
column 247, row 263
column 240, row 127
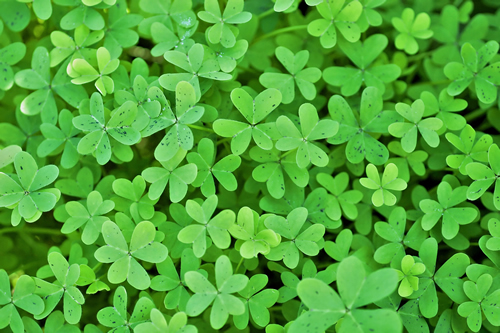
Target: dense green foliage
column 278, row 166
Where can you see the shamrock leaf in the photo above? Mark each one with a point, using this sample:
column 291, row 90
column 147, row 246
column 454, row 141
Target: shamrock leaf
column 472, row 148
column 38, row 78
column 474, row 69
column 448, row 277
column 252, row 236
column 254, row 110
column 76, row 47
column 383, row 187
column 198, row 68
column 444, row 109
column 8, row 154
column 167, row 40
column 224, row 303
column 177, row 324
column 392, row 231
column 407, row 275
column 290, row 228
column 83, row 72
column 24, row 192
column 82, row 14
column 222, row 170
column 116, row 316
column 124, row 257
column 493, row 243
column 173, row 282
column 480, row 299
column 88, row 278
column 106, row 129
column 216, row 227
column 370, row 16
column 9, row 56
column 362, row 54
column 228, row 57
column 147, row 108
column 63, row 137
column 223, row 31
column 131, row 198
column 179, row 135
column 23, row 297
column 355, row 130
column 410, row 29
column 64, row 287
column 414, row 160
column 340, row 201
column 339, row 249
column 177, row 177
column 256, row 301
column 407, row 131
column 119, row 34
column 275, row 165
column 89, row 218
column 485, row 176
column 171, row 13
column 356, row 289
column 336, row 15
column 304, row 78
column 311, row 129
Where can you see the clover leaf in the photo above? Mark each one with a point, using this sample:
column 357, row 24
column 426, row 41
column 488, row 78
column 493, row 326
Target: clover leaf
column 383, row 186
column 198, row 68
column 177, row 177
column 9, row 56
column 340, row 201
column 407, row 275
column 252, row 236
column 223, row 31
column 216, row 227
column 444, row 108
column 64, row 287
column 173, row 282
column 448, row 277
column 445, row 208
column 482, row 303
column 83, row 72
column 38, row 78
column 131, row 198
column 119, row 34
column 311, row 129
column 88, row 278
column 81, row 14
column 179, row 136
column 362, row 54
column 117, row 317
column 24, row 192
column 23, row 297
column 407, row 131
column 392, row 231
column 222, row 170
column 254, row 110
column 410, row 29
column 8, row 154
column 485, row 176
column 474, row 69
column 167, row 40
column 493, row 243
column 177, row 324
column 472, row 148
column 171, row 13
column 228, row 57
column 76, row 47
column 275, row 165
column 106, row 130
column 336, row 15
column 205, row 293
column 355, row 129
column 63, row 137
column 304, row 78
column 256, row 301
column 90, row 217
column 414, row 160
column 290, row 228
column 370, row 16
column 356, row 290
column 124, row 257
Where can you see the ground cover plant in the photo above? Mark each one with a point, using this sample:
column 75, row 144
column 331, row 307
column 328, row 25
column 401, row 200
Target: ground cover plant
column 278, row 166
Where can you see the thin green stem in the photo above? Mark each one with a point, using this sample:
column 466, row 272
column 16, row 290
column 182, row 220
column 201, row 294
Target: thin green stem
column 97, row 266
column 474, row 244
column 44, row 231
column 475, row 114
column 266, row 13
column 200, row 128
column 280, row 31
column 239, row 264
column 287, row 153
column 419, row 56
column 432, row 83
column 224, row 140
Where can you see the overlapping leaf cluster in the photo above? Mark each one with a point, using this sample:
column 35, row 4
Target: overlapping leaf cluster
column 278, row 166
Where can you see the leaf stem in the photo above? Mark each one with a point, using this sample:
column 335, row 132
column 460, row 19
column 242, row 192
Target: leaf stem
column 280, row 31
column 223, row 140
column 432, row 83
column 475, row 114
column 419, row 56
column 45, row 231
column 97, row 266
column 200, row 128
column 239, row 264
column 266, row 13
